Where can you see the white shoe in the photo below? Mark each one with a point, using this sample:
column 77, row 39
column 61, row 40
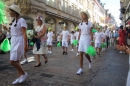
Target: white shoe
column 16, row 81
column 120, row 52
column 77, row 54
column 90, row 65
column 25, row 61
column 80, row 71
column 72, row 50
column 23, row 77
column 50, row 52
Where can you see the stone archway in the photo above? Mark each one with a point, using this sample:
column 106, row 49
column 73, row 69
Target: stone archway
column 50, row 22
column 29, row 22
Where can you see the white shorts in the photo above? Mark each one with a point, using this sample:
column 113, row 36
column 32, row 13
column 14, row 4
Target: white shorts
column 72, row 41
column 64, row 43
column 49, row 42
column 83, row 45
column 97, row 45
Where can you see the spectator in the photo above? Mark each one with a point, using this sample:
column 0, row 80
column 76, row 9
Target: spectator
column 122, row 34
column 128, row 36
column 107, row 35
column 111, row 37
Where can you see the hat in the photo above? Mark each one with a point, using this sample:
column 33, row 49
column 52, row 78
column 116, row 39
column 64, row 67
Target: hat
column 76, row 28
column 49, row 28
column 65, row 25
column 98, row 26
column 15, row 8
column 86, row 12
column 39, row 18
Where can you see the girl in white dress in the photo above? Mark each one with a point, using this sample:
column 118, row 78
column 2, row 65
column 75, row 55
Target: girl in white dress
column 72, row 39
column 98, row 40
column 50, row 36
column 18, row 42
column 85, row 39
column 41, row 34
column 127, row 50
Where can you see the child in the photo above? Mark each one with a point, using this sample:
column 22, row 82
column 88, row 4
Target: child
column 18, row 42
column 72, row 39
column 58, row 38
column 65, row 40
column 49, row 39
column 98, row 40
column 76, row 37
column 85, row 39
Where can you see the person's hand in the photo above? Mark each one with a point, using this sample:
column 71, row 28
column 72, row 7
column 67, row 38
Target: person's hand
column 4, row 27
column 92, row 43
column 25, row 48
column 36, row 36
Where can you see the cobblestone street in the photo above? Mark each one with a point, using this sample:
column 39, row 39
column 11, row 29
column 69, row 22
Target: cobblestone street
column 110, row 69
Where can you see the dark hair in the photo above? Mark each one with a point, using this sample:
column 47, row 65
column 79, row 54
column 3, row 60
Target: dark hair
column 17, row 15
column 86, row 23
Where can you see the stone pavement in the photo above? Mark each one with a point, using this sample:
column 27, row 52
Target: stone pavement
column 110, row 69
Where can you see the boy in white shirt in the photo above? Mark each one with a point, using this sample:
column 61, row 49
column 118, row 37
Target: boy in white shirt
column 49, row 39
column 98, row 40
column 72, row 39
column 76, row 37
column 65, row 40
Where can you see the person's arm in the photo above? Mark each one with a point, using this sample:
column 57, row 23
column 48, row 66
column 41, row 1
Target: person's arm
column 79, row 34
column 91, row 34
column 25, row 39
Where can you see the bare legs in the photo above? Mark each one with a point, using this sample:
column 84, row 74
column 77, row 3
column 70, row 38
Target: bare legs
column 81, row 58
column 38, row 58
column 19, row 68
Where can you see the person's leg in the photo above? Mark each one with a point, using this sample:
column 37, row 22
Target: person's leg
column 45, row 58
column 88, row 57
column 107, row 42
column 38, row 58
column 81, row 59
column 19, row 68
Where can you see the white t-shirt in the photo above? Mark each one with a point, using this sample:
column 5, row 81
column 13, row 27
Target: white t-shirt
column 104, row 35
column 50, row 36
column 18, row 29
column 98, row 37
column 65, row 35
column 71, row 37
column 58, row 38
column 76, row 35
column 8, row 35
column 107, row 32
column 85, row 30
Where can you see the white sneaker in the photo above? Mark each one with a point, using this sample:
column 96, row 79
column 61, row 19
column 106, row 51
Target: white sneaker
column 90, row 65
column 50, row 52
column 16, row 81
column 72, row 50
column 80, row 71
column 25, row 61
column 77, row 54
column 23, row 77
column 120, row 52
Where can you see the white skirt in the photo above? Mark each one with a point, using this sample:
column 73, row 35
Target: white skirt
column 42, row 50
column 83, row 45
column 17, row 48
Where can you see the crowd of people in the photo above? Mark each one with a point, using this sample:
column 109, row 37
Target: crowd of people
column 43, row 40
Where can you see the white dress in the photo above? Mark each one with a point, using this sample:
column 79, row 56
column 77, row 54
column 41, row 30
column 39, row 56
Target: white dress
column 71, row 38
column 65, row 35
column 98, row 39
column 128, row 77
column 17, row 40
column 49, row 38
column 85, row 38
column 43, row 45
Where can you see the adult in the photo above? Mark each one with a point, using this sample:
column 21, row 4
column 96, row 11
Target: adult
column 42, row 37
column 128, row 36
column 107, row 35
column 122, row 34
column 111, row 38
column 85, row 39
column 18, row 41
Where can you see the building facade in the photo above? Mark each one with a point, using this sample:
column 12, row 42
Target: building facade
column 55, row 13
column 125, row 12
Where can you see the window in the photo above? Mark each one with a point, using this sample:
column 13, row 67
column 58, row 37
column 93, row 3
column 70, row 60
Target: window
column 53, row 3
column 47, row 2
column 81, row 1
column 66, row 6
column 72, row 9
